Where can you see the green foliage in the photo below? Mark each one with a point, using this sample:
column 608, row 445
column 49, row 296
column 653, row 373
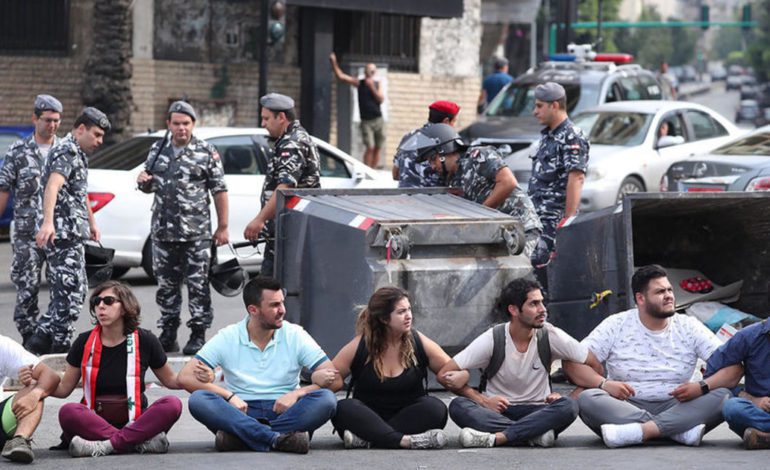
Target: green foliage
column 735, row 58
column 758, row 54
column 588, row 10
column 727, row 40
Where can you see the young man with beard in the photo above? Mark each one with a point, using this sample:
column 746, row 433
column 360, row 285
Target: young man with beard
column 650, row 354
column 261, row 406
column 519, row 407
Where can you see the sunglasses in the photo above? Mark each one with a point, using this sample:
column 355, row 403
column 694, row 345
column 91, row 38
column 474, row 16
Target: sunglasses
column 107, row 299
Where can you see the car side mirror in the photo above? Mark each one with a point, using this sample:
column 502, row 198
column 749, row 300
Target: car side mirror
column 358, row 176
column 670, row 140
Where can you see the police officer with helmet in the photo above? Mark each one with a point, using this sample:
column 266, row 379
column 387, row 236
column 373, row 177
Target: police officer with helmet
column 481, row 175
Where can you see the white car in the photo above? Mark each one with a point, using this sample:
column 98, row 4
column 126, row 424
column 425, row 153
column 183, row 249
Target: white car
column 123, row 213
column 627, row 153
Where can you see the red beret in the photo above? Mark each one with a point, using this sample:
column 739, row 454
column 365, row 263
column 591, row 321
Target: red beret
column 446, row 107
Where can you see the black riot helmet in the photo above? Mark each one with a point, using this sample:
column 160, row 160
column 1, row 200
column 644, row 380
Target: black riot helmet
column 437, row 140
column 98, row 263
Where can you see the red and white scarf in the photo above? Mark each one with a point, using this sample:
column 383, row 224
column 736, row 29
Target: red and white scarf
column 89, row 368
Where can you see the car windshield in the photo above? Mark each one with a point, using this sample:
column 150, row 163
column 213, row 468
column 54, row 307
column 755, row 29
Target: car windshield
column 621, row 128
column 519, row 100
column 755, row 144
column 126, row 155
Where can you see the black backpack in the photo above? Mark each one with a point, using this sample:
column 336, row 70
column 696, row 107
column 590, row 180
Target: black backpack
column 498, row 354
column 359, row 361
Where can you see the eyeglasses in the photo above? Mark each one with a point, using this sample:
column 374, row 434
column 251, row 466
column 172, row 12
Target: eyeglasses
column 107, row 299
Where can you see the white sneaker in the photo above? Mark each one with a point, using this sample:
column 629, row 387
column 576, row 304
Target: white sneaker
column 470, row 437
column 80, row 447
column 621, row 435
column 431, row 439
column 544, row 440
column 691, row 437
column 158, row 444
column 354, row 442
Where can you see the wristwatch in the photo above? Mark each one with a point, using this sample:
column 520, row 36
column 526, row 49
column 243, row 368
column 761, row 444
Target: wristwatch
column 704, row 387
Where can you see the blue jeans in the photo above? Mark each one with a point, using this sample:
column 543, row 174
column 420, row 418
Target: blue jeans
column 308, row 414
column 741, row 413
column 519, row 423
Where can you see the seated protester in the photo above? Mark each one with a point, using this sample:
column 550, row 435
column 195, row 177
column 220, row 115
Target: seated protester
column 650, row 354
column 20, row 413
column 388, row 362
column 748, row 414
column 261, row 407
column 112, row 359
column 519, row 407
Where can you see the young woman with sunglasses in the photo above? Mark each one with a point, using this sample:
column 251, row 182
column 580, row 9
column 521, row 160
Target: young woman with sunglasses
column 112, row 359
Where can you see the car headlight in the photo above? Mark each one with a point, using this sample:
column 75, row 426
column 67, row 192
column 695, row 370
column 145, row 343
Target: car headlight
column 595, row 173
column 761, row 183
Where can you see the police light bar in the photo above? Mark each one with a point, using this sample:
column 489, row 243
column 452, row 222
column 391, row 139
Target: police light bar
column 618, row 58
column 562, row 58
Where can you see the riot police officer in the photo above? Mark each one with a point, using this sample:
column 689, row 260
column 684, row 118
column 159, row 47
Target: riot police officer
column 480, row 175
column 294, row 164
column 21, row 173
column 67, row 221
column 182, row 172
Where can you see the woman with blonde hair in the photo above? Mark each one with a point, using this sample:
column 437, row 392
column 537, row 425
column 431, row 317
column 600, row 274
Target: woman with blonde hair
column 388, row 362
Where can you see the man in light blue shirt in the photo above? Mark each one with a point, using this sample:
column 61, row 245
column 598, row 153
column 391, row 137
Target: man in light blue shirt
column 261, row 407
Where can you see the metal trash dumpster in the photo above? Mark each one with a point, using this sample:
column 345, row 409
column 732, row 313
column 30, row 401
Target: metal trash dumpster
column 334, row 248
column 726, row 236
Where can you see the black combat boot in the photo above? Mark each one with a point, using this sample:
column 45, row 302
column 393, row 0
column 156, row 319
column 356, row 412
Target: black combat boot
column 39, row 343
column 197, row 340
column 168, row 340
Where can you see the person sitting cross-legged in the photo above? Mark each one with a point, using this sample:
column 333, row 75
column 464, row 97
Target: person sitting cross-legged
column 261, row 407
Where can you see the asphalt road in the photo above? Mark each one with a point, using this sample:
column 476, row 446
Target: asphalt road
column 192, row 445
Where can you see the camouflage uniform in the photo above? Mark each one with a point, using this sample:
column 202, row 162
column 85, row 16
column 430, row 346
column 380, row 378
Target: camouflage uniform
column 21, row 174
column 561, row 151
column 410, row 173
column 476, row 173
column 295, row 163
column 66, row 256
column 181, row 228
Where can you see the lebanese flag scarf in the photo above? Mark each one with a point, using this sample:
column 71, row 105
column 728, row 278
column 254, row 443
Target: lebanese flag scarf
column 89, row 369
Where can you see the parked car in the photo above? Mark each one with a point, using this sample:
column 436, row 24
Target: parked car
column 748, row 110
column 740, row 165
column 9, row 135
column 718, row 73
column 627, row 154
column 123, row 214
column 733, row 82
column 689, row 74
column 508, row 119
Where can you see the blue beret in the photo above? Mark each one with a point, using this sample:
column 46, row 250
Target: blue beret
column 47, row 103
column 277, row 102
column 549, row 91
column 184, row 108
column 97, row 117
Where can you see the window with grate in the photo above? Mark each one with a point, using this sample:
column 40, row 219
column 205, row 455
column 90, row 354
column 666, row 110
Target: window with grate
column 34, row 26
column 378, row 37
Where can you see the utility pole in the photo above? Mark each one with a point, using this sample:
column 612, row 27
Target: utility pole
column 599, row 27
column 263, row 24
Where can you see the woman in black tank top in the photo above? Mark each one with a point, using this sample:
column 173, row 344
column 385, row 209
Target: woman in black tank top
column 388, row 362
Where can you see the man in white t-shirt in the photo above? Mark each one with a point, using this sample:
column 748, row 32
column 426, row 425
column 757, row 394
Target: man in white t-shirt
column 20, row 413
column 650, row 354
column 518, row 407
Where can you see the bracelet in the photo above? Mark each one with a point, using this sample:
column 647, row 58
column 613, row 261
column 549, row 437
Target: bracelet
column 601, row 384
column 231, row 396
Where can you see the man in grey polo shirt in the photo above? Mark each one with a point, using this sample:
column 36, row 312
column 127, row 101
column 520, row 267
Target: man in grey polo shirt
column 261, row 407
